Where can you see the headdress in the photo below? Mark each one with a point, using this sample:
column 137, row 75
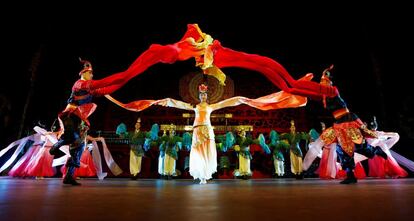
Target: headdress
column 373, row 125
column 202, row 88
column 241, row 130
column 87, row 66
column 326, row 76
column 292, row 124
column 172, row 127
column 323, row 126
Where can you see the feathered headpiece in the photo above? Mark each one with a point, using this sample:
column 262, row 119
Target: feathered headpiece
column 323, row 126
column 202, row 88
column 373, row 125
column 87, row 66
column 326, row 76
column 326, row 81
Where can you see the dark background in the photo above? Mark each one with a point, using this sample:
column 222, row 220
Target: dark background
column 370, row 45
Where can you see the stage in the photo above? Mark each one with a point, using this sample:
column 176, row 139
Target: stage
column 154, row 199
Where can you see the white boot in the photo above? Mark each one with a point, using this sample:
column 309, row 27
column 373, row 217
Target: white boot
column 203, row 181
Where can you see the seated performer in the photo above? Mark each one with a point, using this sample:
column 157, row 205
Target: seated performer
column 36, row 161
column 378, row 166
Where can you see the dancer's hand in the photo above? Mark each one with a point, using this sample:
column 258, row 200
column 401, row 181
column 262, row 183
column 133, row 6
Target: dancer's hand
column 163, row 102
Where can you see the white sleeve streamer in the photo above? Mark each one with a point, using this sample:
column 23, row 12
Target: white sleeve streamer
column 97, row 161
column 409, row 164
column 19, row 148
column 315, row 150
column 115, row 169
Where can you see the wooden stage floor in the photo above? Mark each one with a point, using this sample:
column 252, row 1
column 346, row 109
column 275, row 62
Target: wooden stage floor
column 151, row 199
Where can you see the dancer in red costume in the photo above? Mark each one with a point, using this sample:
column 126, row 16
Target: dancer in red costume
column 348, row 132
column 73, row 119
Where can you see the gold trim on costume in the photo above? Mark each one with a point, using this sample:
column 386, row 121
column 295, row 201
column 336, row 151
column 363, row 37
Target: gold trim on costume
column 328, row 136
column 217, row 127
column 340, row 112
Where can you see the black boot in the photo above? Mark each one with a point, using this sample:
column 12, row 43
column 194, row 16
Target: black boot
column 54, row 150
column 378, row 151
column 350, row 178
column 70, row 180
column 299, row 176
column 134, row 177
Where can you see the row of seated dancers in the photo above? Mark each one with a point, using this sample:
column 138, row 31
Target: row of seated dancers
column 31, row 157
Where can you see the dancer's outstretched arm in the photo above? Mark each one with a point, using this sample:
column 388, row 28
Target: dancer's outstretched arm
column 277, row 100
column 140, row 105
column 169, row 102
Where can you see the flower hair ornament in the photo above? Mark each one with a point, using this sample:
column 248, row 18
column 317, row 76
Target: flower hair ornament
column 202, row 88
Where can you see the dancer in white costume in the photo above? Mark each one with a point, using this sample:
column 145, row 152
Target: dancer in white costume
column 379, row 167
column 203, row 154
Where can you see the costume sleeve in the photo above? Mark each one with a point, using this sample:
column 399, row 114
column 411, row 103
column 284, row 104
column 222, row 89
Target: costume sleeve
column 234, row 101
column 155, row 54
column 315, row 150
column 285, row 136
column 271, row 69
column 169, row 102
column 276, row 100
column 140, row 105
column 385, row 140
column 283, row 144
column 262, row 143
column 136, row 106
column 392, row 139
